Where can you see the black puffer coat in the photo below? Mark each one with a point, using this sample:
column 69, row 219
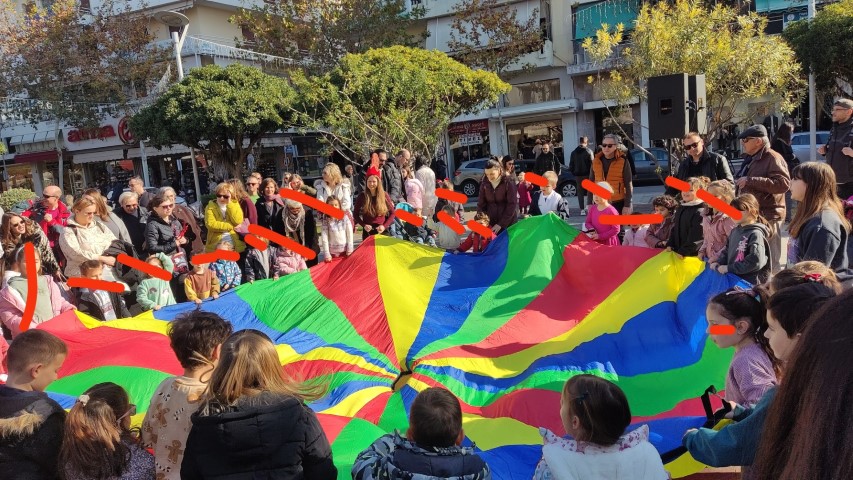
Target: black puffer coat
column 160, row 237
column 268, row 436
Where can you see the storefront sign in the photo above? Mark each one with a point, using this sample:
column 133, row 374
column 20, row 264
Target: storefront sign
column 115, row 132
column 100, row 133
column 124, row 133
column 474, row 126
column 470, row 139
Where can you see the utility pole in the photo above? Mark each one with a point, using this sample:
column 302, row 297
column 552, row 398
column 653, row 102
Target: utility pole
column 812, row 101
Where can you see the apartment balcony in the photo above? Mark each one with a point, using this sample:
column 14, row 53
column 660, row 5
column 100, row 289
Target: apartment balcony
column 584, row 64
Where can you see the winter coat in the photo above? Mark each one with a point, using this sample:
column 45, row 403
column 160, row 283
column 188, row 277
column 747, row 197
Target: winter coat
column 285, row 264
column 154, row 291
column 392, row 182
column 840, row 136
column 547, row 162
column 271, row 218
column 715, row 233
column 254, row 268
column 187, row 218
column 581, row 161
column 218, row 225
column 562, row 206
column 427, row 179
column 636, row 238
column 686, row 236
column 392, row 457
column 87, row 304
column 768, row 179
column 80, row 244
column 31, row 426
column 117, row 227
column 415, row 193
column 33, row 234
column 476, row 241
column 822, row 238
column 135, row 225
column 227, row 272
column 267, row 436
column 247, row 206
column 748, row 253
column 500, row 204
column 54, row 226
column 342, row 191
column 12, row 306
column 787, row 153
column 711, row 165
column 161, row 237
column 658, row 234
column 439, row 167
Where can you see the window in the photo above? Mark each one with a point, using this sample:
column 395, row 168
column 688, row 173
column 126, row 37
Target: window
column 248, row 34
column 533, row 92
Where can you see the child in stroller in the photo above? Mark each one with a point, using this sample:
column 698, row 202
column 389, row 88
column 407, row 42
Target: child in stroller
column 406, row 231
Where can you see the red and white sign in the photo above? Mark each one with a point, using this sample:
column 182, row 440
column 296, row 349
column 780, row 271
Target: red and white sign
column 474, row 126
column 115, row 132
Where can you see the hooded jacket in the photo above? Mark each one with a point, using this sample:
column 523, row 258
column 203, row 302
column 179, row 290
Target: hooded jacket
column 822, row 238
column 31, row 426
column 267, row 436
column 80, row 244
column 12, row 306
column 715, row 233
column 748, row 253
column 686, row 236
column 393, row 457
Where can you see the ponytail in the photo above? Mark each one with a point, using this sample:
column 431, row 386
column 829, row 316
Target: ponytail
column 751, row 304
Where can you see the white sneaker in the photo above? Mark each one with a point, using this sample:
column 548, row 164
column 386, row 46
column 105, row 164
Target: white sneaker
column 584, row 211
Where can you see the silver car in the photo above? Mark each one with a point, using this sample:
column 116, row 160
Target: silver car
column 802, row 148
column 468, row 176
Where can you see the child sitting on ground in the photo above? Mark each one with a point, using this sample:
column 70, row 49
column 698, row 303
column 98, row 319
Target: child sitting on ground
column 474, row 239
column 432, row 447
column 97, row 303
column 447, row 238
column 196, row 338
column 286, row 262
column 336, row 235
column 227, row 272
column 155, row 293
column 635, row 236
column 201, row 283
column 31, row 423
column 658, row 234
column 595, row 413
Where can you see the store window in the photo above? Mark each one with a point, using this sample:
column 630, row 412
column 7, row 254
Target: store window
column 525, row 138
column 533, row 92
column 469, row 140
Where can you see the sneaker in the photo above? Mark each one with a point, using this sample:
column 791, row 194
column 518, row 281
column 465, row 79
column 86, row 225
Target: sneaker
column 584, row 211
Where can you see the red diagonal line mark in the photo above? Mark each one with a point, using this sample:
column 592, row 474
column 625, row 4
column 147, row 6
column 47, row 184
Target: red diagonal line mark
column 480, row 228
column 312, row 202
column 32, row 286
column 446, row 194
column 536, row 179
column 147, row 268
column 722, row 330
column 451, row 222
column 409, row 217
column 92, row 284
column 649, row 218
column 285, row 242
column 677, row 184
column 596, row 189
column 201, row 258
column 255, row 242
column 719, row 205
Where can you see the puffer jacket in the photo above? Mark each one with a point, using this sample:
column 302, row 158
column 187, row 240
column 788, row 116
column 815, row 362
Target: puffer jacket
column 12, row 306
column 767, row 178
column 31, row 426
column 218, row 225
column 80, row 244
column 393, row 457
column 715, row 233
column 160, row 236
column 500, row 204
column 36, row 235
column 267, row 436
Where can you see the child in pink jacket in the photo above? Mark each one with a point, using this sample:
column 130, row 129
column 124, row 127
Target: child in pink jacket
column 287, row 261
column 524, row 197
column 716, row 226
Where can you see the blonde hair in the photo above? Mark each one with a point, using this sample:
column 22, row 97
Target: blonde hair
column 721, row 189
column 697, row 183
column 222, row 243
column 552, row 178
column 225, row 187
column 238, row 188
column 100, row 202
column 248, row 366
column 605, row 186
column 334, row 173
column 82, row 203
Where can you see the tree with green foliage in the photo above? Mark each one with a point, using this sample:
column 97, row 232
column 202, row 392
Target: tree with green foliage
column 739, row 60
column 317, row 34
column 823, row 45
column 222, row 111
column 396, row 97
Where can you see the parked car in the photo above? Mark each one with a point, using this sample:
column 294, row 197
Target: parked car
column 801, row 146
column 468, row 176
column 646, row 166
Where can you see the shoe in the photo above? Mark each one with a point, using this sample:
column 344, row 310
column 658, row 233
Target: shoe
column 584, row 211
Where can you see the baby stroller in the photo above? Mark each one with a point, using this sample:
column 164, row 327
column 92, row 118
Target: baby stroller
column 405, row 231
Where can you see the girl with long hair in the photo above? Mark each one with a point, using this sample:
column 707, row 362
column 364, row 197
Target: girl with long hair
column 747, row 253
column 374, row 210
column 498, row 197
column 106, row 215
column 819, row 229
column 253, row 421
column 98, row 443
column 242, row 197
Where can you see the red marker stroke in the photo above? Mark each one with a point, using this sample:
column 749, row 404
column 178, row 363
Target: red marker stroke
column 446, row 194
column 408, row 217
column 595, row 188
column 677, row 184
column 722, row 330
column 536, row 179
column 451, row 222
column 719, row 205
column 312, row 202
column 649, row 218
column 255, row 242
column 285, row 242
column 202, row 258
column 144, row 267
column 480, row 228
column 92, row 284
column 32, row 286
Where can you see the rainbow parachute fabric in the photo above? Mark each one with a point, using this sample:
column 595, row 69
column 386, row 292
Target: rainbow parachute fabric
column 502, row 330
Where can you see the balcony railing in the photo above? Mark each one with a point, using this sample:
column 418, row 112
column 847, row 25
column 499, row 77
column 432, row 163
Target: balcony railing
column 583, row 63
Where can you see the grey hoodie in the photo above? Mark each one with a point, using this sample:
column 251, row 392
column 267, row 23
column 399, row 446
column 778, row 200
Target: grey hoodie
column 748, row 253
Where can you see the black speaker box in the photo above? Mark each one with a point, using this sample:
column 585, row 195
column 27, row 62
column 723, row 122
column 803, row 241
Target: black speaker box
column 668, row 107
column 697, row 113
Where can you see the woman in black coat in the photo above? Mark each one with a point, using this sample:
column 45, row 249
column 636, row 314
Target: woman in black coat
column 270, row 207
column 257, row 426
column 163, row 232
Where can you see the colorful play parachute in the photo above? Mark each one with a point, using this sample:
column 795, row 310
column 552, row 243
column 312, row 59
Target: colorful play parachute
column 503, row 330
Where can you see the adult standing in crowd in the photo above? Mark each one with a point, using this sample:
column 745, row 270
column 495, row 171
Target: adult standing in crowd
column 270, row 207
column 186, row 216
column 163, row 230
column 138, row 187
column 16, row 231
column 508, row 164
column 49, row 213
column 86, row 238
column 782, row 144
column 301, row 227
column 253, row 185
column 333, row 184
column 580, row 164
column 700, row 163
column 374, row 209
column 392, row 180
column 612, row 166
column 297, row 184
column 439, row 167
column 547, row 161
column 106, row 216
column 498, row 198
column 839, row 148
column 134, row 217
column 247, row 206
column 766, row 177
column 427, row 178
column 222, row 215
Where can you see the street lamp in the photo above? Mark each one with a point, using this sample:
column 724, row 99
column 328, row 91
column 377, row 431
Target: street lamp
column 179, row 20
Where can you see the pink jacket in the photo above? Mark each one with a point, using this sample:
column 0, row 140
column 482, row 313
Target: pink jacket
column 636, row 239
column 415, row 193
column 285, row 264
column 12, row 305
column 715, row 231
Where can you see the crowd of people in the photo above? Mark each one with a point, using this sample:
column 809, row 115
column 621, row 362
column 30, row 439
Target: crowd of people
column 234, row 413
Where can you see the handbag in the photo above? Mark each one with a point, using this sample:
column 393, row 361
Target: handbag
column 179, row 259
column 243, row 228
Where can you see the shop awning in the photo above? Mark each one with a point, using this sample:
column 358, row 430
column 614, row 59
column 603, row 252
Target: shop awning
column 40, row 136
column 37, row 157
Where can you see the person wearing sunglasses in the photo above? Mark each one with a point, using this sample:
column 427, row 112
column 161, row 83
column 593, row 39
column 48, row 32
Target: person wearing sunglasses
column 15, row 231
column 699, row 162
column 222, row 215
column 611, row 166
column 163, row 232
column 86, row 238
column 50, row 213
column 253, row 185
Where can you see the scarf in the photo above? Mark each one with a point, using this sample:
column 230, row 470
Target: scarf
column 272, row 198
column 495, row 183
column 294, row 225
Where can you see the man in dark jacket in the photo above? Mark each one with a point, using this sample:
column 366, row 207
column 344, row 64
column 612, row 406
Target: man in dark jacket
column 580, row 163
column 839, row 148
column 134, row 216
column 392, row 180
column 700, row 163
column 547, row 161
column 766, row 176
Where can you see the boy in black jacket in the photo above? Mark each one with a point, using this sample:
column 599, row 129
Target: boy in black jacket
column 31, row 424
column 99, row 304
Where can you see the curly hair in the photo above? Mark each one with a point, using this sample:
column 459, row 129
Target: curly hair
column 666, row 201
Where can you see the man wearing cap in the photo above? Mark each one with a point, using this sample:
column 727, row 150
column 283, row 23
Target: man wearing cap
column 839, row 148
column 766, row 177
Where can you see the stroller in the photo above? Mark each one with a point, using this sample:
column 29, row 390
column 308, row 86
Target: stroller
column 405, row 231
